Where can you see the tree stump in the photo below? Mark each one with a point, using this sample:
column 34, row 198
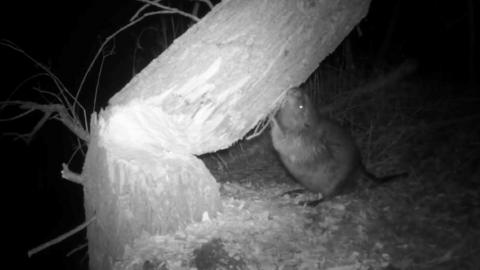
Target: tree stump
column 206, row 91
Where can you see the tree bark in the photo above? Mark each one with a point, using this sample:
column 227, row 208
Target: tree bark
column 207, row 90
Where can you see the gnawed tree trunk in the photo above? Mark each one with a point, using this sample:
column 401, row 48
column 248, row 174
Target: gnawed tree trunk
column 205, row 92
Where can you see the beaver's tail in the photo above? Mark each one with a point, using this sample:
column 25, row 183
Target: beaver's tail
column 377, row 181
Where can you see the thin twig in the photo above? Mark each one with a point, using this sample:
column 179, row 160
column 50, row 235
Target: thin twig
column 134, row 20
column 77, row 149
column 34, row 76
column 171, row 9
column 140, row 10
column 97, row 84
column 43, row 92
column 64, row 92
column 60, row 238
column 209, row 4
column 80, row 247
column 105, row 42
column 17, row 116
column 53, row 111
column 71, row 176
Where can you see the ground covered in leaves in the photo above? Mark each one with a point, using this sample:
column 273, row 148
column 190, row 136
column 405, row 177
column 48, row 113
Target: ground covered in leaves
column 430, row 220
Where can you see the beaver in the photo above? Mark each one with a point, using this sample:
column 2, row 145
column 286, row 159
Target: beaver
column 316, row 150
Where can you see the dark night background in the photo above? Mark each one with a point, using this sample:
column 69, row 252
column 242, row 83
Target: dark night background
column 65, row 35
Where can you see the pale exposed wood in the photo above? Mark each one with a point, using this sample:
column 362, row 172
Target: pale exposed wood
column 141, row 197
column 229, row 70
column 206, row 91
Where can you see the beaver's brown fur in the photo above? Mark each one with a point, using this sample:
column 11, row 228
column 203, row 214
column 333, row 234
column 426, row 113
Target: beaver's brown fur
column 316, row 150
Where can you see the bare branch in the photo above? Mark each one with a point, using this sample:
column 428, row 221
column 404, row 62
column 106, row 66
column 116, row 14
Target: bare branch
column 207, row 2
column 134, row 20
column 170, row 9
column 34, row 76
column 17, row 116
column 54, row 111
column 78, row 148
column 104, row 56
column 140, row 10
column 70, row 123
column 105, row 42
column 80, row 247
column 64, row 92
column 44, row 93
column 71, row 176
column 60, row 238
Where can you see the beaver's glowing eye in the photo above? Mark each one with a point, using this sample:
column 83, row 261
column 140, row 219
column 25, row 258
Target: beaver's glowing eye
column 300, row 107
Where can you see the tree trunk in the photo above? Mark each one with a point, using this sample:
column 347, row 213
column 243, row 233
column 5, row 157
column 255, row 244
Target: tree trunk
column 202, row 94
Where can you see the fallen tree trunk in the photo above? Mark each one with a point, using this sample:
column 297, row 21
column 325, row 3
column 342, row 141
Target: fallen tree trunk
column 206, row 91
